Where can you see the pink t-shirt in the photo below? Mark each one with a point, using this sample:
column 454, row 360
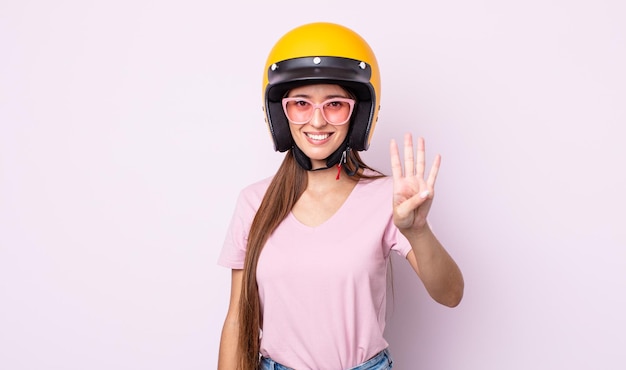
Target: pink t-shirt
column 322, row 289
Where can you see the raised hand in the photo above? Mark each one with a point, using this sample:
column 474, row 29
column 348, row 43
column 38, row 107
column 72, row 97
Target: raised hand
column 412, row 193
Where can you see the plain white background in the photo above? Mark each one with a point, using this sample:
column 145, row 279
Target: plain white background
column 127, row 129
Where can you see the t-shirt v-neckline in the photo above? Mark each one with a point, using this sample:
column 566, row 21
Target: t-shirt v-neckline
column 330, row 219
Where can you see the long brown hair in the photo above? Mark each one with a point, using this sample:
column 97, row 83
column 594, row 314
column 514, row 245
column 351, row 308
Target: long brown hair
column 285, row 189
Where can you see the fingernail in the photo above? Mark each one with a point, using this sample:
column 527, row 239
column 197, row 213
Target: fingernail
column 425, row 194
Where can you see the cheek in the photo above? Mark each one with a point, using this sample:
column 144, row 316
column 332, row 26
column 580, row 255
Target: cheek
column 293, row 129
column 342, row 131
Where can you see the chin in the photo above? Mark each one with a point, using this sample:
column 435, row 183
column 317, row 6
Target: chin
column 317, row 156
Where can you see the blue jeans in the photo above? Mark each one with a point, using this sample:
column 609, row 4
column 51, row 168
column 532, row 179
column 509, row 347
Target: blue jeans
column 382, row 361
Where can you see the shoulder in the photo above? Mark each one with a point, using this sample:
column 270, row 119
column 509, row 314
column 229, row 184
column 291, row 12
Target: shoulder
column 375, row 189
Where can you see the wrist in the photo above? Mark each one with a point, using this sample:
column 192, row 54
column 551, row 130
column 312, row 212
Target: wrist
column 416, row 231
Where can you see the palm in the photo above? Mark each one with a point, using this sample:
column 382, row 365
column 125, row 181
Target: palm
column 412, row 193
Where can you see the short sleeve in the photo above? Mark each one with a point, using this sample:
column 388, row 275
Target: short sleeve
column 233, row 253
column 395, row 240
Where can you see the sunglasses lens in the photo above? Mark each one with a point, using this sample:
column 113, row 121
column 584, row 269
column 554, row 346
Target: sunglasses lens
column 336, row 111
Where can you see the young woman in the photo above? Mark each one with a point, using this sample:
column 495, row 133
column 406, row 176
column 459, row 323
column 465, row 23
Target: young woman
column 309, row 246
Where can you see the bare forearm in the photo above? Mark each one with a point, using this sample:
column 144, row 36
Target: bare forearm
column 436, row 268
column 229, row 354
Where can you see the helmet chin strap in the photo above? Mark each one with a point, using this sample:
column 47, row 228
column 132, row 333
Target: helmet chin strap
column 338, row 158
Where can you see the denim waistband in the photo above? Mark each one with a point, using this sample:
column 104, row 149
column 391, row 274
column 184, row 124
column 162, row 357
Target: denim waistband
column 381, row 361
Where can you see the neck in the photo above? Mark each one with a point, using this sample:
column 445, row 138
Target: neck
column 327, row 178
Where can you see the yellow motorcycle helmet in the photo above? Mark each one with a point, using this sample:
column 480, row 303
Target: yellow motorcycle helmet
column 322, row 52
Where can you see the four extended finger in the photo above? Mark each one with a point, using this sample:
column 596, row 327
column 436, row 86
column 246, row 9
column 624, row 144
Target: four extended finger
column 409, row 170
column 413, row 166
column 434, row 171
column 421, row 158
column 396, row 166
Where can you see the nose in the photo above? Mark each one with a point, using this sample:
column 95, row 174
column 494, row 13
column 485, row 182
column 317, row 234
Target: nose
column 318, row 119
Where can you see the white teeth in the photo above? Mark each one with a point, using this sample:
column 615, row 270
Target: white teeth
column 318, row 137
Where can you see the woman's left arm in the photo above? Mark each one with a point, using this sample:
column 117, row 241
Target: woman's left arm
column 412, row 198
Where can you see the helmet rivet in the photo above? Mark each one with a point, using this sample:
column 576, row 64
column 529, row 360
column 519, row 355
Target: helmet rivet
column 317, row 60
column 274, row 67
column 362, row 65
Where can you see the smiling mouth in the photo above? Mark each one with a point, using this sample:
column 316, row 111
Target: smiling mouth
column 318, row 137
